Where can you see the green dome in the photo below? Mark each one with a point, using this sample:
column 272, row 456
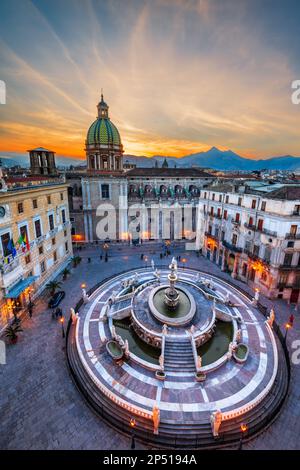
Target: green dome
column 103, row 132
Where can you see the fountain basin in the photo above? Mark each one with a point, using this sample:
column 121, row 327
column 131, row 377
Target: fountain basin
column 114, row 350
column 182, row 314
column 241, row 352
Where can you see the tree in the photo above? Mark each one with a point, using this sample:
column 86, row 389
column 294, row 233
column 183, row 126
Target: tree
column 65, row 273
column 52, row 286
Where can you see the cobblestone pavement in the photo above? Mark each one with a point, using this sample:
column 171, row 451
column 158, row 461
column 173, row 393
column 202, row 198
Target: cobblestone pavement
column 40, row 406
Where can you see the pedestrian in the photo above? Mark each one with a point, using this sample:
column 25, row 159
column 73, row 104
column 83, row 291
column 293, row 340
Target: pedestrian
column 142, row 256
column 89, row 260
column 30, row 311
column 291, row 319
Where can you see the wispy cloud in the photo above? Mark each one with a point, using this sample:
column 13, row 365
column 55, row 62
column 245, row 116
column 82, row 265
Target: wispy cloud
column 179, row 76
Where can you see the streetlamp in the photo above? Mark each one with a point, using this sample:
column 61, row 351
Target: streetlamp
column 287, row 326
column 132, row 424
column 183, row 262
column 243, row 429
column 62, row 326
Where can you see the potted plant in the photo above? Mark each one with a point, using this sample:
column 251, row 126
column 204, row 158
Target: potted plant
column 11, row 333
column 76, row 260
column 65, row 273
column 52, row 286
column 200, row 376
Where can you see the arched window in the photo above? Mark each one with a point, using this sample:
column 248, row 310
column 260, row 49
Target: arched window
column 92, row 162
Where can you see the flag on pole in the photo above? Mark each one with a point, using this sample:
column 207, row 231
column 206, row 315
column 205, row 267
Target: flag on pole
column 26, row 241
column 20, row 241
column 11, row 247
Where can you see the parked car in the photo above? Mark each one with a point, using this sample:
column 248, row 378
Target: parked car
column 56, row 299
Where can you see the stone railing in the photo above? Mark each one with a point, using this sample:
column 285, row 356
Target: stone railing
column 218, row 417
column 135, row 410
column 195, row 352
column 10, row 266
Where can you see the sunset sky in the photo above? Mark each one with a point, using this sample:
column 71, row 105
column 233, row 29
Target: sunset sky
column 179, row 76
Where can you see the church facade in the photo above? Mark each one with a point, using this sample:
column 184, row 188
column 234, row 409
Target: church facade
column 108, row 202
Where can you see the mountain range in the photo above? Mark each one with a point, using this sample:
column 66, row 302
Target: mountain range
column 213, row 158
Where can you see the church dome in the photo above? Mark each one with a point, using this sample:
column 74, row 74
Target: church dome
column 103, row 131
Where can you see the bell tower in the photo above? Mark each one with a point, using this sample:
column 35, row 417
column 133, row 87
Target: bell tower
column 42, row 161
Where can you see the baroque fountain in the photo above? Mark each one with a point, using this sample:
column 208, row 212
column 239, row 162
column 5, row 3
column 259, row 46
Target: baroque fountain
column 183, row 352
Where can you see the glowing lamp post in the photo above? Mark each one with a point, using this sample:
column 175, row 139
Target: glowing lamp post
column 61, row 320
column 243, row 429
column 183, row 262
column 132, row 424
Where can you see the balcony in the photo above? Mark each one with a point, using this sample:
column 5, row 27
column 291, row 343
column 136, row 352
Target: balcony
column 289, row 267
column 40, row 239
column 10, row 272
column 269, row 232
column 292, row 236
column 254, row 256
column 210, row 235
column 250, row 226
column 236, row 223
column 232, row 247
column 53, row 232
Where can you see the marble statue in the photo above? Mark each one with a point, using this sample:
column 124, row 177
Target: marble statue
column 199, row 362
column 238, row 335
column 271, row 317
column 230, row 350
column 157, row 274
column 152, row 264
column 161, row 362
column 126, row 349
column 192, row 330
column 85, row 296
column 216, row 420
column 113, row 332
column 74, row 316
column 156, row 418
column 174, row 263
column 164, row 329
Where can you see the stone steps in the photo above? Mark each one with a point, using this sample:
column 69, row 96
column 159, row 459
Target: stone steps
column 179, row 356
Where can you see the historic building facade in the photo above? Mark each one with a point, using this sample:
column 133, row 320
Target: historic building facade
column 254, row 233
column 35, row 238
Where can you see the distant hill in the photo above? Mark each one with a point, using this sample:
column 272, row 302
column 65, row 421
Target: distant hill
column 10, row 159
column 220, row 160
column 213, row 158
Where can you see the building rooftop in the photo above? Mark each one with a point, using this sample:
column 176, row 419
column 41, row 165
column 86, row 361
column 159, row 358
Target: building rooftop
column 289, row 193
column 40, row 149
column 168, row 173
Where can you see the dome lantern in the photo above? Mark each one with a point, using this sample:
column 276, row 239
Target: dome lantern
column 102, row 108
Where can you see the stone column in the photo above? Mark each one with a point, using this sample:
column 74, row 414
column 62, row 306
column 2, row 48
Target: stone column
column 224, row 260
